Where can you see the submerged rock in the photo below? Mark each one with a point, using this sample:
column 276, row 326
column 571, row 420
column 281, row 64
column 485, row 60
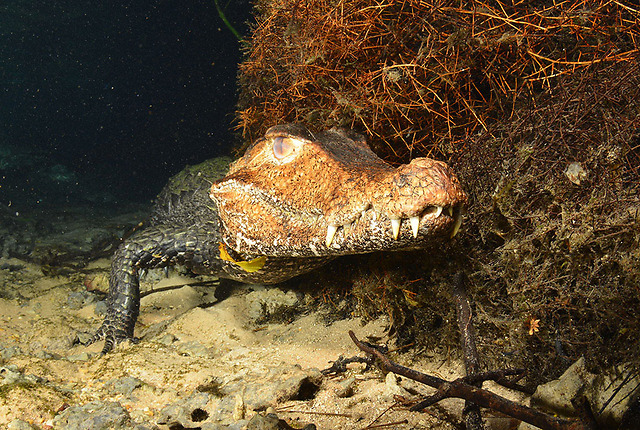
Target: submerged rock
column 124, row 385
column 191, row 412
column 610, row 394
column 20, row 425
column 556, row 395
column 95, row 416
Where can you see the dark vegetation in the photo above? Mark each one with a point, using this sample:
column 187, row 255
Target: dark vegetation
column 536, row 106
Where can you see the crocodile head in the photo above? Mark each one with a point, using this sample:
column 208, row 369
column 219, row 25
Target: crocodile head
column 295, row 193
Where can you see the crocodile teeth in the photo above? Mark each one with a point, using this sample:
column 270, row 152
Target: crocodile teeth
column 415, row 224
column 395, row 226
column 331, row 231
column 433, row 211
column 457, row 224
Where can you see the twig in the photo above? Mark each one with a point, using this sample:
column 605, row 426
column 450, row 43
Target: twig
column 627, row 378
column 462, row 390
column 371, row 424
column 329, row 414
column 471, row 412
column 377, row 426
column 340, row 365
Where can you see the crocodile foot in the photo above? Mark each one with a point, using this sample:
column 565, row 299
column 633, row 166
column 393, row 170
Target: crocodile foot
column 112, row 335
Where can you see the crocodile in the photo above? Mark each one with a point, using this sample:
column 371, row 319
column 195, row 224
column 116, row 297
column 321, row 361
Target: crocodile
column 294, row 201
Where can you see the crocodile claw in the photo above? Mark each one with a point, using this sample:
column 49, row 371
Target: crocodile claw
column 112, row 337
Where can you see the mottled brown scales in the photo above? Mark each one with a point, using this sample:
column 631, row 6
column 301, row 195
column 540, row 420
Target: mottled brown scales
column 331, row 180
column 294, row 201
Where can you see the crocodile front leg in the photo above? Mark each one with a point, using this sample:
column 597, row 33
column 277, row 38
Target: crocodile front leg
column 154, row 247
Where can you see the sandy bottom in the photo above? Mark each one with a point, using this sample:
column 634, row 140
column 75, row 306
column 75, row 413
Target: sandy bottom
column 187, row 350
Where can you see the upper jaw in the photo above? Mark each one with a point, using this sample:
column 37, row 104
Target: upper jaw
column 317, row 234
column 398, row 232
column 412, row 204
column 366, row 223
column 338, row 207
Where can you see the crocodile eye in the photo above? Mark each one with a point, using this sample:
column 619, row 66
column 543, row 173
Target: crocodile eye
column 283, row 146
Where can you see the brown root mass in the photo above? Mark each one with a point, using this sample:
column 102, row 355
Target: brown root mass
column 535, row 104
column 419, row 76
column 545, row 248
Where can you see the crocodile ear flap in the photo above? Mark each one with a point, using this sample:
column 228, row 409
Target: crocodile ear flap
column 352, row 135
column 357, row 138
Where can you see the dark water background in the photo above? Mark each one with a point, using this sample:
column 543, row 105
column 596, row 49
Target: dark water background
column 102, row 101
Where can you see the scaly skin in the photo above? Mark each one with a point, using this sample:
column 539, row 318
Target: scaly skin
column 293, row 202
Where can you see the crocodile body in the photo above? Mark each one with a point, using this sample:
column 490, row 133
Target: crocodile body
column 293, row 202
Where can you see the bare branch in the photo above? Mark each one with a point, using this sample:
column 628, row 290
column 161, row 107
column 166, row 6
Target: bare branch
column 486, row 399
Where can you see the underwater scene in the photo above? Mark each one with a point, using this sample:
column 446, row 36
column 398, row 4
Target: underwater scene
column 432, row 220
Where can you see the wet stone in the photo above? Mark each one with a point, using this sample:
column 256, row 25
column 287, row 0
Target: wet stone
column 19, row 425
column 42, row 354
column 84, row 337
column 167, row 339
column 240, row 425
column 124, row 385
column 191, row 412
column 100, row 308
column 80, row 299
column 8, row 352
column 270, row 421
column 11, row 375
column 95, row 416
column 556, row 395
column 213, row 426
column 225, row 409
column 264, row 422
column 392, row 387
column 83, row 356
column 194, row 349
column 292, row 383
column 62, row 343
column 11, row 267
column 611, row 392
column 97, row 282
column 346, row 388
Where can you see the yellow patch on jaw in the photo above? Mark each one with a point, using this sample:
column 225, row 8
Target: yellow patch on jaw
column 248, row 266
